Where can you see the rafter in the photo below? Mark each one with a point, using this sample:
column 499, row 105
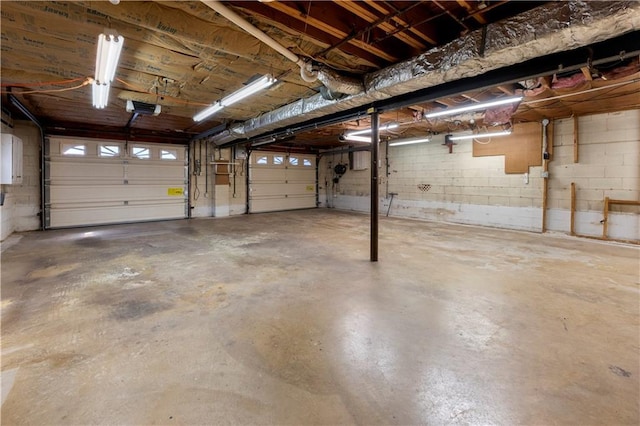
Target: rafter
column 376, row 5
column 310, row 20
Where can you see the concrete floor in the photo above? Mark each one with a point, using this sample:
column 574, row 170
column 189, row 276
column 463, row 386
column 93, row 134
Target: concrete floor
column 281, row 319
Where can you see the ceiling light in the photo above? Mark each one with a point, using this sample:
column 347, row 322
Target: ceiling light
column 480, row 135
column 356, row 138
column 409, row 141
column 365, row 131
column 251, row 88
column 109, row 49
column 107, row 56
column 474, row 107
column 100, row 95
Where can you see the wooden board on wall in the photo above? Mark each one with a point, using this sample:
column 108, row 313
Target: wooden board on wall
column 521, row 149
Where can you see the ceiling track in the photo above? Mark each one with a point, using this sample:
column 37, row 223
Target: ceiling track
column 617, row 48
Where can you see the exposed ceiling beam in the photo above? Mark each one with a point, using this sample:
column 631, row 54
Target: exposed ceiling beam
column 317, row 23
column 383, row 23
column 411, row 28
column 478, row 17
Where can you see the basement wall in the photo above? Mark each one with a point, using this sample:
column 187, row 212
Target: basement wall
column 434, row 185
column 460, row 188
column 215, row 195
column 608, row 166
column 20, row 211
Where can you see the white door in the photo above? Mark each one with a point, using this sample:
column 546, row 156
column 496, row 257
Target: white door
column 90, row 182
column 281, row 181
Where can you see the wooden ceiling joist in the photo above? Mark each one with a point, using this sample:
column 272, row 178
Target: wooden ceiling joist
column 402, row 23
column 317, row 23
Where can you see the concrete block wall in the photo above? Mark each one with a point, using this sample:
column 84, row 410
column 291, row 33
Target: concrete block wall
column 458, row 187
column 209, row 199
column 608, row 166
column 21, row 208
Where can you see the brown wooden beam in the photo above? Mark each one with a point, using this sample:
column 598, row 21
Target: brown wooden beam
column 431, row 39
column 478, row 17
column 327, row 28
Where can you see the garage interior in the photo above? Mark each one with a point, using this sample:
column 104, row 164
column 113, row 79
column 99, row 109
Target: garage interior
column 429, row 212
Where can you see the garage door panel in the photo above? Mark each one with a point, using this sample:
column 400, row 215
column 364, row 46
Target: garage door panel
column 114, row 214
column 76, row 169
column 97, row 193
column 287, row 185
column 87, row 189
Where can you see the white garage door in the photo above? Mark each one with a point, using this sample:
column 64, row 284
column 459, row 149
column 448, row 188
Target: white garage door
column 90, row 182
column 281, row 181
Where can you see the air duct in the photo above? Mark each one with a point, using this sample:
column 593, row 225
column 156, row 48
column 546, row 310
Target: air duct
column 545, row 30
column 334, row 82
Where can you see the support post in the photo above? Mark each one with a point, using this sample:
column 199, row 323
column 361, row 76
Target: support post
column 576, row 139
column 605, row 220
column 374, row 184
column 573, row 209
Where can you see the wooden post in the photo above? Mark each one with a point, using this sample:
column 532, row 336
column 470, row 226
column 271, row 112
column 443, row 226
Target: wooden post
column 576, row 139
column 605, row 219
column 573, row 208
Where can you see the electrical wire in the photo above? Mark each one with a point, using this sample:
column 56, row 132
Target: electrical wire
column 173, row 99
column 87, row 81
column 43, row 83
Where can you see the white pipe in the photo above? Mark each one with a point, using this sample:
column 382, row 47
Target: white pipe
column 248, row 27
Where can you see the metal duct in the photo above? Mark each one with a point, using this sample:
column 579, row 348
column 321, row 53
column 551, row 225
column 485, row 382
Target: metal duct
column 550, row 28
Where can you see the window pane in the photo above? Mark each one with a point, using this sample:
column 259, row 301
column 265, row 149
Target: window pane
column 109, row 151
column 261, row 160
column 141, row 152
column 306, row 162
column 278, row 159
column 293, row 161
column 73, row 149
column 166, row 154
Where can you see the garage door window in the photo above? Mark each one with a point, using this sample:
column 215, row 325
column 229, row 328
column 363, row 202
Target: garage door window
column 168, row 154
column 141, row 152
column 74, row 149
column 306, row 162
column 293, row 161
column 109, row 151
column 262, row 160
column 278, row 159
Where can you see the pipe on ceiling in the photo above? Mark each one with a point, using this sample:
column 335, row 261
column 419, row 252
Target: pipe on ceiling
column 333, row 81
column 509, row 42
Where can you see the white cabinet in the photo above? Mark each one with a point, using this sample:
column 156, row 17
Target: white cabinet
column 10, row 160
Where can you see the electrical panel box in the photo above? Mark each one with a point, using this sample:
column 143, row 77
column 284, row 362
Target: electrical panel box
column 10, row 160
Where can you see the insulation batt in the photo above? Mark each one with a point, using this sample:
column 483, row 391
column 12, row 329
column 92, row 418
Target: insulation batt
column 550, row 28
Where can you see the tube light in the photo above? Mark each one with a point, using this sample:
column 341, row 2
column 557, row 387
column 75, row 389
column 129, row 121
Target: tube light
column 109, row 49
column 480, row 135
column 250, row 89
column 474, row 107
column 100, row 95
column 357, row 138
column 409, row 141
column 365, row 131
column 107, row 56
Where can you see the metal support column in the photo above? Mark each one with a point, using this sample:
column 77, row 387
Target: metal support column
column 374, row 183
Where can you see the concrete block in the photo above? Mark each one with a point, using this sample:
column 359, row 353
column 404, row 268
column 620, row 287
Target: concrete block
column 628, row 120
column 622, row 171
column 631, row 158
column 631, row 183
column 605, row 183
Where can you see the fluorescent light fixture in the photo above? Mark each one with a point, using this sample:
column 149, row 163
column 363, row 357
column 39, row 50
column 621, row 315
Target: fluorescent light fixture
column 248, row 90
column 480, row 135
column 107, row 56
column 409, row 141
column 365, row 131
column 474, row 107
column 100, row 95
column 357, row 138
column 109, row 48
